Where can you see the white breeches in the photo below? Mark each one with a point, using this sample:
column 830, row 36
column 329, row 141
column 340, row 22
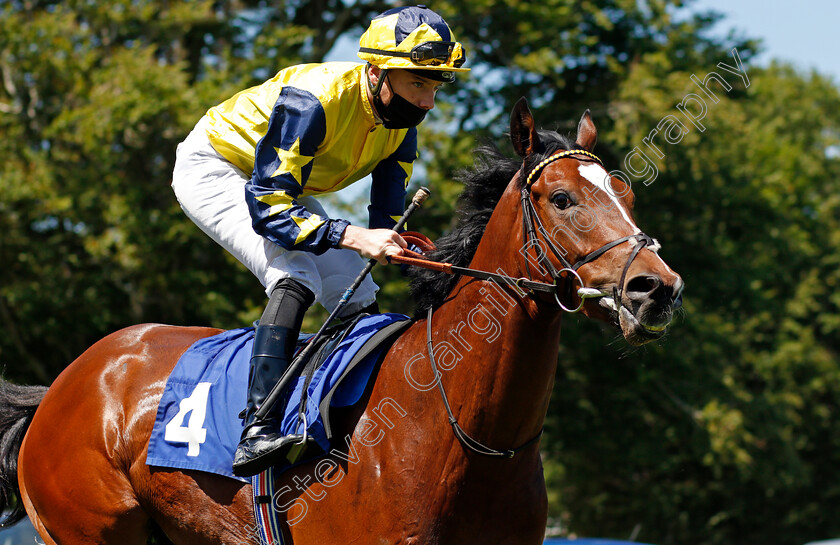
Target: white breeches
column 211, row 190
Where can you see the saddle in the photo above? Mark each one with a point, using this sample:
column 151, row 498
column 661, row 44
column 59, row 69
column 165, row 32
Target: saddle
column 197, row 424
column 298, row 421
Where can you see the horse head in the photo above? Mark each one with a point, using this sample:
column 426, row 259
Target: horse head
column 580, row 233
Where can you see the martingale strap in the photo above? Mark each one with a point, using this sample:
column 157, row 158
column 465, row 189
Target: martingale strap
column 465, row 439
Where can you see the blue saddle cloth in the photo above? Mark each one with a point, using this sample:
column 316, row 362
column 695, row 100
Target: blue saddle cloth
column 197, row 424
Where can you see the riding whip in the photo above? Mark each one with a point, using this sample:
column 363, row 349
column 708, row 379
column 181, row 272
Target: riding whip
column 273, row 396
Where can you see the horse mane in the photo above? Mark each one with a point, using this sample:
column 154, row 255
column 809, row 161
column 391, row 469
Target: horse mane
column 484, row 184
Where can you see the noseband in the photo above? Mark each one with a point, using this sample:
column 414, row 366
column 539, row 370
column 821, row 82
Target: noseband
column 531, row 223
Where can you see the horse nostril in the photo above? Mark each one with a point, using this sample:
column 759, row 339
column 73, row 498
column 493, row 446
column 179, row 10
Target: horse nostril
column 641, row 287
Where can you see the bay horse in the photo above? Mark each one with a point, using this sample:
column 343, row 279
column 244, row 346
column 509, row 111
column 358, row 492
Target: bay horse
column 552, row 226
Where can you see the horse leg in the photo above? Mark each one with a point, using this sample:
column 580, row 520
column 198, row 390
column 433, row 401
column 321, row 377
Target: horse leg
column 36, row 521
column 82, row 466
column 95, row 505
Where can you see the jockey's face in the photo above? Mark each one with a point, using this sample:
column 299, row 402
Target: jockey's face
column 416, row 89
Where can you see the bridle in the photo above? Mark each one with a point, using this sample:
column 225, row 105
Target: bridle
column 531, row 225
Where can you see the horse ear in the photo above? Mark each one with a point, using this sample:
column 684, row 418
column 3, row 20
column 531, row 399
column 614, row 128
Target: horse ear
column 523, row 134
column 587, row 134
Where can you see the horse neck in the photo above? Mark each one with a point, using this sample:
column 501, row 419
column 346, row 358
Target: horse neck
column 509, row 341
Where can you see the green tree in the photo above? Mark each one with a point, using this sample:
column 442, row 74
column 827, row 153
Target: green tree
column 95, row 98
column 725, row 434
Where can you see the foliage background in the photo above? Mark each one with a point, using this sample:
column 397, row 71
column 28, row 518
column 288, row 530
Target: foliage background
column 725, row 432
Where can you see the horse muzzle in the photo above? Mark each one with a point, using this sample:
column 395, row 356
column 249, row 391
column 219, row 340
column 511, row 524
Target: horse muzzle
column 645, row 308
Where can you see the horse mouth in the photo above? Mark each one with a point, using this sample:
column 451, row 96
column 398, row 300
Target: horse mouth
column 635, row 331
column 640, row 321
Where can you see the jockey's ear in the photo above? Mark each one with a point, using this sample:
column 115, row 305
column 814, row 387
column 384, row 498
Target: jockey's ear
column 587, row 134
column 374, row 75
column 523, row 134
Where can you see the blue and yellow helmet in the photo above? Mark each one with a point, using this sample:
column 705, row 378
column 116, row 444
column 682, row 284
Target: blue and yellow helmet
column 413, row 38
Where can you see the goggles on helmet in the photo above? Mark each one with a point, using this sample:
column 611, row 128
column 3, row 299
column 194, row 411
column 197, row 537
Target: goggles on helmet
column 425, row 54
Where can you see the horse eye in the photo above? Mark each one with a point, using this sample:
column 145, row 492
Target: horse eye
column 561, row 200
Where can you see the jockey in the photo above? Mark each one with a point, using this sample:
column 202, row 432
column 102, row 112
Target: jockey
column 249, row 172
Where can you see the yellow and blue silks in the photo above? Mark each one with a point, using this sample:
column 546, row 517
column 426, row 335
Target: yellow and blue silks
column 311, row 130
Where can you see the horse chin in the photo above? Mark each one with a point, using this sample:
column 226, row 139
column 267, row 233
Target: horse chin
column 637, row 333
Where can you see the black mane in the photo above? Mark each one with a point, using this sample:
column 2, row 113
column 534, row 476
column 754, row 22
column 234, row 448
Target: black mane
column 484, row 185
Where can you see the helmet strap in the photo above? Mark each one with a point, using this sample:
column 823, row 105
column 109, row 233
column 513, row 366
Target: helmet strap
column 378, row 87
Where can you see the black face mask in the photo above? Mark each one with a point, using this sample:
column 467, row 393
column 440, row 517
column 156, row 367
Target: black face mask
column 400, row 113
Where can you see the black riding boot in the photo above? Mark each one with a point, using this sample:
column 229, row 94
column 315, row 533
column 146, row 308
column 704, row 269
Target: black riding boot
column 262, row 443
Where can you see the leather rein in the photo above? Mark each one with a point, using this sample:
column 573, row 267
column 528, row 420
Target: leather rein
column 531, row 226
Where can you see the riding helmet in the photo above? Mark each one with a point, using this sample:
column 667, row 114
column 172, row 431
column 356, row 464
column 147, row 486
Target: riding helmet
column 413, row 38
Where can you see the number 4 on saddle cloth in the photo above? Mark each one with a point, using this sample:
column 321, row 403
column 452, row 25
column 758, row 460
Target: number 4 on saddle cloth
column 197, row 424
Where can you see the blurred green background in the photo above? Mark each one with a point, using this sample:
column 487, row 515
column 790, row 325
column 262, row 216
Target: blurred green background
column 724, row 433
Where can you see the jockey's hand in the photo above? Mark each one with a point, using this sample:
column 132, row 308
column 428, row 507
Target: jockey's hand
column 378, row 244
